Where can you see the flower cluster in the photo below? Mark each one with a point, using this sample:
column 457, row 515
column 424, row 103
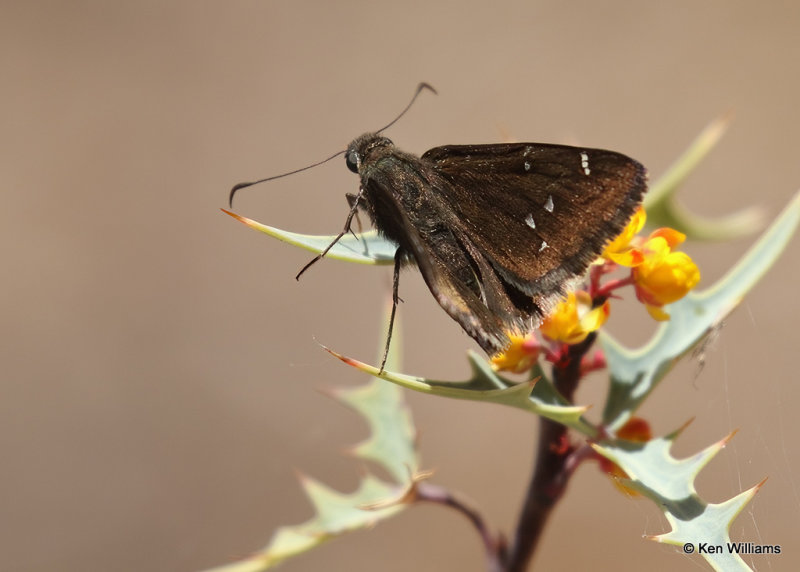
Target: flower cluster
column 659, row 274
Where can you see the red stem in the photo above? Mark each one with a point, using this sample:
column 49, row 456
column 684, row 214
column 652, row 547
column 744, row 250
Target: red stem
column 608, row 287
column 553, row 468
column 495, row 546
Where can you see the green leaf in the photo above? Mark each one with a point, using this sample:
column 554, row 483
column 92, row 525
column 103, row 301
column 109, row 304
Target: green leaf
column 392, row 435
column 336, row 513
column 669, row 483
column 663, row 209
column 366, row 248
column 391, row 444
column 635, row 373
column 535, row 396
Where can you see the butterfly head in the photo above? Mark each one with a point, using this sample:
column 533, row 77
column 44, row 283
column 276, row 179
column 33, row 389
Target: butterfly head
column 365, row 149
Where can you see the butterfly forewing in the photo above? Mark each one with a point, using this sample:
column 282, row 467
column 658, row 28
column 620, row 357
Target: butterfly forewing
column 540, row 213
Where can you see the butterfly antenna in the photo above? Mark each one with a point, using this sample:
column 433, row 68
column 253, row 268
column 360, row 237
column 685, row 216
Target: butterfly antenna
column 240, row 186
column 251, row 183
column 420, row 87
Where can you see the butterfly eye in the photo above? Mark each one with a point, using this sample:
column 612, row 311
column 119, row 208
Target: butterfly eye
column 352, row 159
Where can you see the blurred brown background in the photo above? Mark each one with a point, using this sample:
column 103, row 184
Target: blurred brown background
column 159, row 360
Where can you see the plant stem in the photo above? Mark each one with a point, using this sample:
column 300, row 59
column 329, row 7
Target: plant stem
column 495, row 546
column 551, row 472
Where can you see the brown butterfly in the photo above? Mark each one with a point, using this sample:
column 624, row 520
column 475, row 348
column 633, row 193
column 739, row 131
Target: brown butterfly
column 497, row 231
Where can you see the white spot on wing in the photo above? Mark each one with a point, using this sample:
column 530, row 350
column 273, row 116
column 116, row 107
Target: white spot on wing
column 527, row 166
column 585, row 163
column 543, row 246
column 528, row 150
column 548, row 206
column 529, row 221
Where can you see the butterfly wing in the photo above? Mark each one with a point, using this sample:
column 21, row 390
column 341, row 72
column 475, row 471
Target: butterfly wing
column 539, row 213
column 461, row 279
column 449, row 272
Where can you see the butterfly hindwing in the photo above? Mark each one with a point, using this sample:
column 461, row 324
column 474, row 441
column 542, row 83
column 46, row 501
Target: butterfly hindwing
column 460, row 277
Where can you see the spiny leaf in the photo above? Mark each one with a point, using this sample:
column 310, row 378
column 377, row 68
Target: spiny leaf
column 669, row 482
column 336, row 513
column 663, row 209
column 392, row 435
column 635, row 373
column 391, row 444
column 366, row 248
column 487, row 386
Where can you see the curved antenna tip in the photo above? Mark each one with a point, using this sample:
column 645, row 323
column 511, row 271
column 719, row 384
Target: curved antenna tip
column 236, row 188
column 425, row 85
column 420, row 87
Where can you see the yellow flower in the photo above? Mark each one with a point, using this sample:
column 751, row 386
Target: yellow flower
column 660, row 275
column 574, row 318
column 520, row 355
column 663, row 276
column 621, row 248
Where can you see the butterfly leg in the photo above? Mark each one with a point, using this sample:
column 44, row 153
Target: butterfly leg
column 345, row 230
column 358, row 202
column 398, row 258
